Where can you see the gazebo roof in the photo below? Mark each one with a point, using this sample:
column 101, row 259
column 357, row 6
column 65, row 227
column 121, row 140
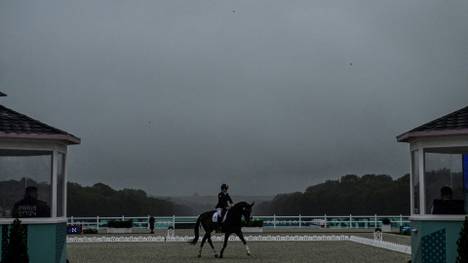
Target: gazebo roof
column 455, row 123
column 14, row 125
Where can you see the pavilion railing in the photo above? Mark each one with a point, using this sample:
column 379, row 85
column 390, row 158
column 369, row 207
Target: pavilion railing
column 274, row 221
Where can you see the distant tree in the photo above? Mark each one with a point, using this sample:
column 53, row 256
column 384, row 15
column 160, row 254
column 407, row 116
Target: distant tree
column 17, row 251
column 462, row 244
column 349, row 178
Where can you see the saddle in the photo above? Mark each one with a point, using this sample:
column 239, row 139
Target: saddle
column 217, row 215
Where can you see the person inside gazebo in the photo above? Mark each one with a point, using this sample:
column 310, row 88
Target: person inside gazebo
column 446, row 205
column 30, row 205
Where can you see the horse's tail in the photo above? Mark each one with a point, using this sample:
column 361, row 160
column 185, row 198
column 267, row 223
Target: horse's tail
column 196, row 230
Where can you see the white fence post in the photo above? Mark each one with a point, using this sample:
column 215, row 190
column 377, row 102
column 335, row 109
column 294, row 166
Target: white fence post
column 326, row 220
column 147, row 222
column 97, row 222
column 173, row 221
column 350, row 220
column 71, row 218
column 300, row 221
column 375, row 221
column 401, row 220
column 274, row 221
column 123, row 218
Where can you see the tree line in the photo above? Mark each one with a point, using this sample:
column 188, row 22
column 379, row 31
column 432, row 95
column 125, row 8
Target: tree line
column 102, row 200
column 351, row 194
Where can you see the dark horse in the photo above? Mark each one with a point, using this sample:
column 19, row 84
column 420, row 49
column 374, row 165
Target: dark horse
column 232, row 225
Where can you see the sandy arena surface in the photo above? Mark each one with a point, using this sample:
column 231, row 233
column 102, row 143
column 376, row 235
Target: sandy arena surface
column 331, row 251
column 390, row 237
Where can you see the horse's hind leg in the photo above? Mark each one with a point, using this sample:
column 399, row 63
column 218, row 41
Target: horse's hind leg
column 226, row 238
column 202, row 243
column 212, row 247
column 241, row 236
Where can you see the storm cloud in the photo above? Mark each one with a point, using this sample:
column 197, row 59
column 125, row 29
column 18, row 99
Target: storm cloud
column 176, row 97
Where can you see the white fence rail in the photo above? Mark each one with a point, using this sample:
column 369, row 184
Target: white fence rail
column 382, row 244
column 274, row 221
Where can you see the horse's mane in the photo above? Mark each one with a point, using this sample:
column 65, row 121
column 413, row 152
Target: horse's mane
column 241, row 204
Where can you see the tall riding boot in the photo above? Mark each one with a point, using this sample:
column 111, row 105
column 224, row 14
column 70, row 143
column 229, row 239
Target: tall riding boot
column 219, row 225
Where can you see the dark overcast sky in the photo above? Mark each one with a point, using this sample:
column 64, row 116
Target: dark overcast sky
column 176, row 97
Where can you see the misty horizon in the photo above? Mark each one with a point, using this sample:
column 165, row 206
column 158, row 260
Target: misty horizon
column 234, row 194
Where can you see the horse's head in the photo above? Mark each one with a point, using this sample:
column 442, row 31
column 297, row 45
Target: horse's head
column 246, row 210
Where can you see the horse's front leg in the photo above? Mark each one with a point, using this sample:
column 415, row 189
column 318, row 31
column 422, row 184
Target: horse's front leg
column 226, row 237
column 241, row 236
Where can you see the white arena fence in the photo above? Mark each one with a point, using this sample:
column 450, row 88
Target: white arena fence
column 250, row 238
column 381, row 244
column 274, row 221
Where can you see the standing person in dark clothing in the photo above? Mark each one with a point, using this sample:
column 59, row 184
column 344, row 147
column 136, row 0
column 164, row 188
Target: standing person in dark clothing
column 224, row 200
column 151, row 224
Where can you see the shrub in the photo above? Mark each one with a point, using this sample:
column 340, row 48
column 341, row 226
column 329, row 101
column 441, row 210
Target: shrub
column 462, row 243
column 184, row 226
column 120, row 223
column 253, row 223
column 4, row 243
column 90, row 231
column 17, row 250
column 386, row 221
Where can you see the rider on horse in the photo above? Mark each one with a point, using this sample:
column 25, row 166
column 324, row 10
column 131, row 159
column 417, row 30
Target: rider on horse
column 223, row 203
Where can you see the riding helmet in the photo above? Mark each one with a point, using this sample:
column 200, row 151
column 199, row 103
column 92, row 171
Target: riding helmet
column 224, row 186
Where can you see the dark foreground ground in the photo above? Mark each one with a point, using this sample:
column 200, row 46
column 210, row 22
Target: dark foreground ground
column 329, row 252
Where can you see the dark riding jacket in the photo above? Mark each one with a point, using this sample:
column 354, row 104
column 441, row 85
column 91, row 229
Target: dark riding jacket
column 223, row 200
